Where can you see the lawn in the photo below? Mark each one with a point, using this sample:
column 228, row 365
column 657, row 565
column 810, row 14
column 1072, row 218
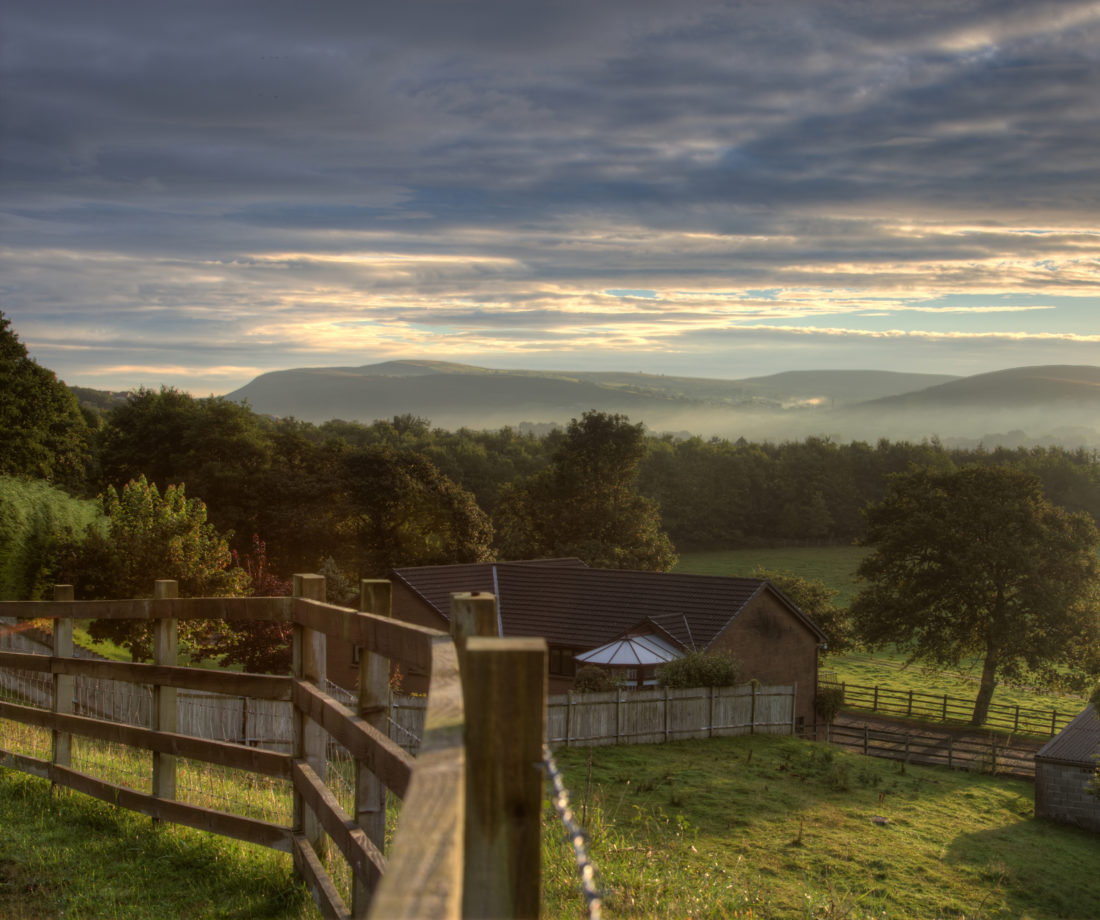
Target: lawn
column 772, row 827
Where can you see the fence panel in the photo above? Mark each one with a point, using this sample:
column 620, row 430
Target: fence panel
column 654, row 715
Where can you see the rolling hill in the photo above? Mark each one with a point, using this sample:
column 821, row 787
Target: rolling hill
column 1057, row 404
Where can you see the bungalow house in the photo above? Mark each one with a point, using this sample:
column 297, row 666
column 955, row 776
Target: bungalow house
column 1064, row 773
column 606, row 615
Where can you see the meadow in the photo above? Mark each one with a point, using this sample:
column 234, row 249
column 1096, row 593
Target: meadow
column 773, row 827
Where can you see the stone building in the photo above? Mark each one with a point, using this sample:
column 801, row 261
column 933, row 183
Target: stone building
column 1065, row 789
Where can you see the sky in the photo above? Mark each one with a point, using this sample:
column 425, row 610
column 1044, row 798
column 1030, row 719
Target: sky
column 192, row 194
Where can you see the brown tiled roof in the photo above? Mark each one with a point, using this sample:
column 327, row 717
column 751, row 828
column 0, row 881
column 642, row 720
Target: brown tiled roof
column 1077, row 743
column 575, row 606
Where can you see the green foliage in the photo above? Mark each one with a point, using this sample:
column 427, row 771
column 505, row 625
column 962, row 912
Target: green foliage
column 43, row 434
column 586, row 503
column 35, row 518
column 697, row 669
column 816, row 600
column 829, row 701
column 149, row 535
column 979, row 563
column 399, row 510
column 591, row 678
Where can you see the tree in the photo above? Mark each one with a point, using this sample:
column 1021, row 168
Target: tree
column 43, row 434
column 399, row 510
column 978, row 563
column 586, row 502
column 149, row 535
column 260, row 646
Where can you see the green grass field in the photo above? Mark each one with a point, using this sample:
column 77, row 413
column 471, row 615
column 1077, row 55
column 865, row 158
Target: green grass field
column 833, row 565
column 772, row 827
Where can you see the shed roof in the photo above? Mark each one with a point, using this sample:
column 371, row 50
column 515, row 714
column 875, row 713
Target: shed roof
column 1077, row 743
column 574, row 606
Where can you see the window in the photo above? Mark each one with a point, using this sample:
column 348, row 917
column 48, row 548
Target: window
column 562, row 663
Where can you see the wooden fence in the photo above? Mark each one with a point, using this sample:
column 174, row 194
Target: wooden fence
column 943, row 708
column 462, row 847
column 991, row 754
column 656, row 715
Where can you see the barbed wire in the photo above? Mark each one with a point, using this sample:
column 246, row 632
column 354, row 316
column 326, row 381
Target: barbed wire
column 575, row 835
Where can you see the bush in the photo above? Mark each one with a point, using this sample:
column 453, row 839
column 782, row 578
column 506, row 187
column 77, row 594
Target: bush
column 593, row 679
column 699, row 670
column 830, row 700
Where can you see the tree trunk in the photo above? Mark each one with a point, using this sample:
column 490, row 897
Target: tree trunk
column 985, row 691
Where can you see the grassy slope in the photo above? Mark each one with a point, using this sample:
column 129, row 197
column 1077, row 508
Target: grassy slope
column 770, row 827
column 64, row 855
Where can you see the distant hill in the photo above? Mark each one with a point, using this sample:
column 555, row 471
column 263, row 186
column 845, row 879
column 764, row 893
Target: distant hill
column 452, row 395
column 1020, row 387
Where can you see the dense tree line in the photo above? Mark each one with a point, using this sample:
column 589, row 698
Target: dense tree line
column 363, row 497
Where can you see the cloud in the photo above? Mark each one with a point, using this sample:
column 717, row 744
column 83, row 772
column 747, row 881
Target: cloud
column 254, row 182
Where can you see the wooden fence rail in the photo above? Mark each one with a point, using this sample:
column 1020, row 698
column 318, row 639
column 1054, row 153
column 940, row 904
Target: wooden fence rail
column 992, row 754
column 431, row 862
column 943, row 708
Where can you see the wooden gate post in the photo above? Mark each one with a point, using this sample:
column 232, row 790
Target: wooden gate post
column 165, row 652
column 375, row 596
column 308, row 664
column 505, row 701
column 62, row 683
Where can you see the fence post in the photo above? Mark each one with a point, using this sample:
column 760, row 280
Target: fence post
column 308, row 664
column 569, row 718
column 874, row 704
column 950, row 750
column 618, row 715
column 473, row 613
column 62, row 683
column 375, row 596
column 752, row 707
column 909, row 711
column 1054, row 721
column 165, row 651
column 944, row 716
column 794, row 707
column 866, row 739
column 505, row 691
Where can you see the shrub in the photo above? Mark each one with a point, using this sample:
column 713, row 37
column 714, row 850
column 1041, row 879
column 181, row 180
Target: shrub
column 830, row 700
column 593, row 679
column 699, row 670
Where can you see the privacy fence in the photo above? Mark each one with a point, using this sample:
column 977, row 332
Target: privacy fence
column 468, row 840
column 657, row 715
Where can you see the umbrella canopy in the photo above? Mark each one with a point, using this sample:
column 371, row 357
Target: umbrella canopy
column 632, row 652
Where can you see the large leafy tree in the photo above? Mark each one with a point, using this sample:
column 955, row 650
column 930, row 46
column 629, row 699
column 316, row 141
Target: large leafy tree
column 977, row 563
column 586, row 503
column 148, row 534
column 43, row 434
column 398, row 509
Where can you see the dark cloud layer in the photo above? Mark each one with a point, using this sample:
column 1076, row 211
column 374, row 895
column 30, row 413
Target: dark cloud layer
column 278, row 172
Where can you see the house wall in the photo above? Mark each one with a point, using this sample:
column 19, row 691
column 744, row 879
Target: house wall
column 774, row 647
column 1062, row 794
column 342, row 662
